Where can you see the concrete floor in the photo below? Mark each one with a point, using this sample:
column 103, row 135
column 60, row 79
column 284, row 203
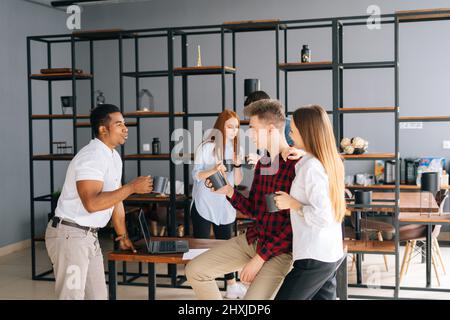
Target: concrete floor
column 16, row 283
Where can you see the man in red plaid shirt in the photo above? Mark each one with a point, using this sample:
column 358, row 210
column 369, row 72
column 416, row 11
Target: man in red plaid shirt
column 264, row 252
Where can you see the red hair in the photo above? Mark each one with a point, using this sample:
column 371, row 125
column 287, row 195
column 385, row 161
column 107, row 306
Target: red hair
column 219, row 125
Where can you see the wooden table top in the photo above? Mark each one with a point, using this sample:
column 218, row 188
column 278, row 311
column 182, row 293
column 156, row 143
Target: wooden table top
column 409, row 202
column 422, row 218
column 174, row 258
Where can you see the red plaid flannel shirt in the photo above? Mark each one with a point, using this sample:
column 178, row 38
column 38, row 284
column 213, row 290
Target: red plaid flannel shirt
column 272, row 231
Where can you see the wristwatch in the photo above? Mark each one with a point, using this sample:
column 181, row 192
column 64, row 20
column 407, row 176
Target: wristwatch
column 121, row 237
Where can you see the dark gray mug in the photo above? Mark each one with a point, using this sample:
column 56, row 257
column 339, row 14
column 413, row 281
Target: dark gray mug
column 363, row 197
column 217, row 180
column 270, row 203
column 160, row 184
column 229, row 165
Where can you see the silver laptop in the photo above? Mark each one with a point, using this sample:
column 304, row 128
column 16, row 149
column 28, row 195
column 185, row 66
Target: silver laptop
column 169, row 246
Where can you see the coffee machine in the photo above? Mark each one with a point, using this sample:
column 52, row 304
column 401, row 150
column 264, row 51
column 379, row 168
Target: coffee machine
column 411, row 166
column 389, row 171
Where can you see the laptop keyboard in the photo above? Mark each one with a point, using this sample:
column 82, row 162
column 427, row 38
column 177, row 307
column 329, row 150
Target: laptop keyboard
column 167, row 246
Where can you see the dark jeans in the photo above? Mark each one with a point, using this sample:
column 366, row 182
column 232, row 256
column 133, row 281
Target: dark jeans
column 309, row 280
column 202, row 230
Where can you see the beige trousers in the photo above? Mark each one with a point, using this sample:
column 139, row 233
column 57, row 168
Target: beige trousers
column 230, row 257
column 77, row 263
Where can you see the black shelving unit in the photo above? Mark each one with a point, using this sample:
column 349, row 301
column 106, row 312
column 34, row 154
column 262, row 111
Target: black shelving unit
column 336, row 66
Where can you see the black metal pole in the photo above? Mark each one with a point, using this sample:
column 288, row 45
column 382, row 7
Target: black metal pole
column 151, row 281
column 31, row 166
column 286, row 108
column 138, row 120
column 50, row 124
column 91, row 63
column 112, row 280
column 172, row 214
column 397, row 161
column 91, row 70
column 222, row 57
column 74, row 94
column 341, row 80
column 233, row 44
column 172, row 219
column 122, row 148
column 336, row 82
column 277, row 60
column 184, row 59
column 358, row 256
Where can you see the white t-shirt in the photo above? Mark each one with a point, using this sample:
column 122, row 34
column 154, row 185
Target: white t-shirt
column 211, row 206
column 316, row 235
column 96, row 161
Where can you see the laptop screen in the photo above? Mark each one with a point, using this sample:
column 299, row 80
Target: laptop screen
column 144, row 228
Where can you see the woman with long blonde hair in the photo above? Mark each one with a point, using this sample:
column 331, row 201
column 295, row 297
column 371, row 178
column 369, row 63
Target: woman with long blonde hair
column 317, row 206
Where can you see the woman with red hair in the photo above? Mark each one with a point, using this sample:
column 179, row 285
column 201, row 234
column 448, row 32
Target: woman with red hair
column 211, row 209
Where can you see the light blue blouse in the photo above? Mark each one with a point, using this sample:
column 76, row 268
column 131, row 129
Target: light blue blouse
column 211, row 206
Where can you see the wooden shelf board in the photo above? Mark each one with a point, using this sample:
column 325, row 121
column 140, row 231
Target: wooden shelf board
column 146, row 74
column 417, row 217
column 88, row 124
column 59, row 116
column 368, row 156
column 202, row 70
column 383, row 187
column 367, row 109
column 390, row 187
column 136, row 198
column 65, row 157
column 144, row 156
column 423, row 14
column 39, row 238
column 368, row 65
column 253, row 25
column 60, row 76
column 299, row 66
column 150, row 114
column 424, row 118
column 367, row 246
column 106, row 34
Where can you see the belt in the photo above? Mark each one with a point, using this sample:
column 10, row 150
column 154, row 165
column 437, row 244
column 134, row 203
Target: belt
column 57, row 220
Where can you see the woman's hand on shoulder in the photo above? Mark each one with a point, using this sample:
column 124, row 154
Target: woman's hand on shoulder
column 292, row 153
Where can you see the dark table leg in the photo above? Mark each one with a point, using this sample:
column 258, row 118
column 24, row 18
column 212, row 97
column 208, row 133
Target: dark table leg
column 172, row 271
column 124, row 271
column 151, row 281
column 428, row 254
column 341, row 279
column 112, row 280
column 358, row 256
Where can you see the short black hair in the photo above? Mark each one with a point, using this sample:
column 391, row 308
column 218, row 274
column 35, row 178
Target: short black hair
column 256, row 96
column 100, row 116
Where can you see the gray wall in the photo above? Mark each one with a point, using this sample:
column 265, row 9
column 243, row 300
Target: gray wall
column 423, row 78
column 423, row 75
column 19, row 19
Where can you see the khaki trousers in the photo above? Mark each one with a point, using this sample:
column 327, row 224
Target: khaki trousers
column 231, row 256
column 77, row 263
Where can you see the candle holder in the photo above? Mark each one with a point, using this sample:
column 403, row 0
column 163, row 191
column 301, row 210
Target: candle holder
column 67, row 104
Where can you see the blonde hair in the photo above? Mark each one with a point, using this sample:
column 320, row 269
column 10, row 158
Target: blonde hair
column 318, row 138
column 268, row 110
